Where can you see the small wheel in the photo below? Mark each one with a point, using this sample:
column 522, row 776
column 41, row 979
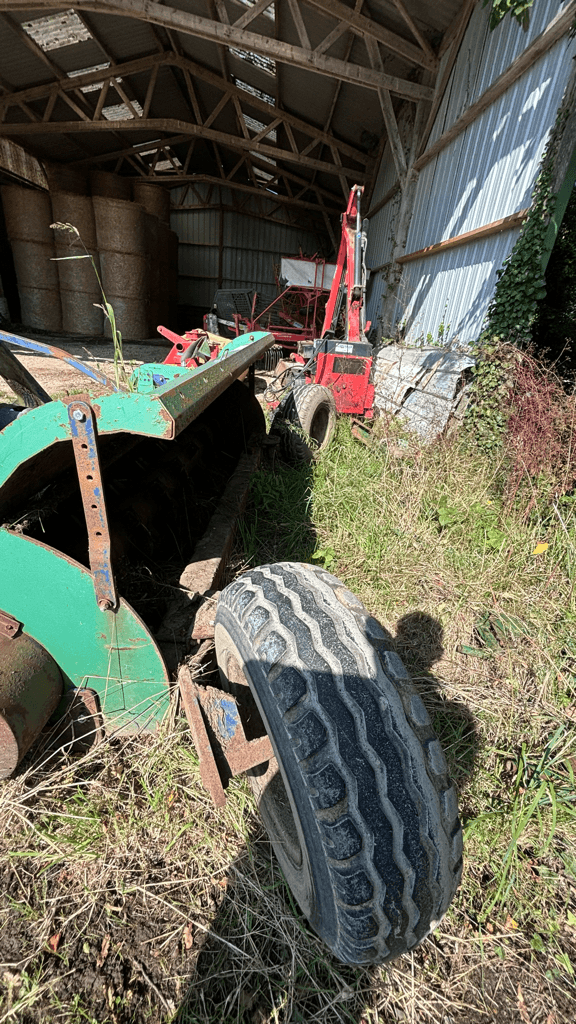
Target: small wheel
column 310, row 420
column 357, row 802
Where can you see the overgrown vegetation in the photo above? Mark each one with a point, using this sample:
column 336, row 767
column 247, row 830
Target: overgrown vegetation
column 521, row 284
column 127, row 899
column 518, row 9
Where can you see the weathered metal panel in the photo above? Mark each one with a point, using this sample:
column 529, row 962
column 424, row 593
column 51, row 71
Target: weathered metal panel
column 198, row 261
column 452, row 289
column 484, row 55
column 422, row 386
column 196, row 226
column 486, row 173
column 251, row 247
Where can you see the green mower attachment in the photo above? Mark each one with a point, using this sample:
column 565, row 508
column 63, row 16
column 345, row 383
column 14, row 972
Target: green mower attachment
column 103, row 499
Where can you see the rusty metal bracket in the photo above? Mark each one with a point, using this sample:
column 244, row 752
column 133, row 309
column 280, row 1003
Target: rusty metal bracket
column 208, row 708
column 83, row 429
column 9, row 627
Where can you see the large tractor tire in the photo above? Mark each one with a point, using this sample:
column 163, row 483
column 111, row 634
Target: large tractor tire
column 357, row 802
column 309, row 421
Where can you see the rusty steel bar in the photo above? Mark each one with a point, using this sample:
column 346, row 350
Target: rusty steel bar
column 208, row 768
column 83, row 428
column 30, row 687
column 208, row 706
column 9, row 627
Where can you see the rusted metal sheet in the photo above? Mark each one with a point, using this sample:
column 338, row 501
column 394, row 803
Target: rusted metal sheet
column 9, row 627
column 80, row 725
column 208, row 768
column 423, row 386
column 83, row 428
column 223, row 715
column 30, row 688
column 217, row 731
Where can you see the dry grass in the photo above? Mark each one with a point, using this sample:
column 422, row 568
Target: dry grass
column 127, row 898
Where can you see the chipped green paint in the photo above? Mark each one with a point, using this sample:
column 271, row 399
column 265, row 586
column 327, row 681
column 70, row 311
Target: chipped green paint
column 112, row 652
column 163, row 413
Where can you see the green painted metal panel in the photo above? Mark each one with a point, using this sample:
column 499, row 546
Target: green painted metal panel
column 113, row 652
column 164, row 413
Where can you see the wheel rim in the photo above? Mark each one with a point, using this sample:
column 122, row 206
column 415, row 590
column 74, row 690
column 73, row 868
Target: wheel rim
column 319, row 426
column 271, row 792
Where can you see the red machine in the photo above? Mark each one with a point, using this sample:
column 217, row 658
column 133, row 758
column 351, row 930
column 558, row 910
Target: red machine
column 341, row 360
column 324, row 376
column 295, row 315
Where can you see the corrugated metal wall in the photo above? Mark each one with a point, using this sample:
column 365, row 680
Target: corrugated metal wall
column 486, row 173
column 251, row 247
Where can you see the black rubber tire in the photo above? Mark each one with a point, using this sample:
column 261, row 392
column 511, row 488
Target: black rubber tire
column 358, row 803
column 310, row 420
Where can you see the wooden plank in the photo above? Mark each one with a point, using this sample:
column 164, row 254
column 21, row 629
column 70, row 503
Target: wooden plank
column 367, row 27
column 164, row 124
column 331, row 38
column 299, row 23
column 388, row 114
column 558, row 27
column 494, row 228
column 259, row 7
column 385, row 199
column 424, row 44
column 284, row 53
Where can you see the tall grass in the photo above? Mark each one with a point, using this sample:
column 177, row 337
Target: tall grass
column 429, row 540
column 128, row 899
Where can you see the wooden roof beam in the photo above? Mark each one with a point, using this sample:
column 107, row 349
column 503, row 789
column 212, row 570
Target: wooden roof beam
column 188, row 67
column 161, row 124
column 367, row 27
column 284, row 53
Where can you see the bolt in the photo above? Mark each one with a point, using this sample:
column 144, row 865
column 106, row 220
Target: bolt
column 105, row 605
column 79, row 415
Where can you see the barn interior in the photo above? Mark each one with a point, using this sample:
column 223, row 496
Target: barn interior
column 194, row 146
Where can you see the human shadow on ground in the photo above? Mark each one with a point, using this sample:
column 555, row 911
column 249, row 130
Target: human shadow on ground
column 419, row 643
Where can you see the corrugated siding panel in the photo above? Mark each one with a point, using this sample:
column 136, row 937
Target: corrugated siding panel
column 487, row 172
column 196, row 226
column 484, row 55
column 452, row 289
column 251, row 248
column 198, row 261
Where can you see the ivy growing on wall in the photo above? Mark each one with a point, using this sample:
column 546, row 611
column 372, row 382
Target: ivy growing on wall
column 509, row 320
column 521, row 283
column 518, row 9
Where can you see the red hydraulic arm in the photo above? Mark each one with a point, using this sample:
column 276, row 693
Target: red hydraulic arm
column 349, row 262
